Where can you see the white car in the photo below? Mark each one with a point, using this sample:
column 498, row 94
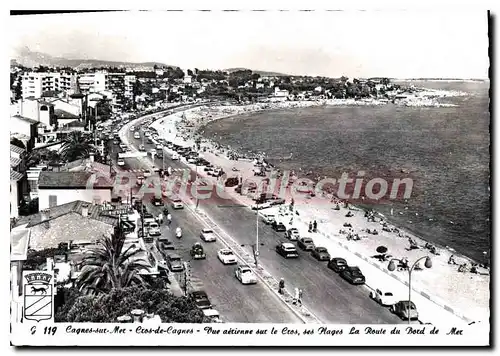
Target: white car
column 132, row 128
column 154, row 229
column 245, row 275
column 269, row 218
column 213, row 315
column 159, row 146
column 261, row 206
column 175, row 156
column 137, row 135
column 384, row 297
column 123, row 146
column 226, row 256
column 147, row 134
column 177, row 204
column 121, row 162
column 191, row 160
column 208, row 235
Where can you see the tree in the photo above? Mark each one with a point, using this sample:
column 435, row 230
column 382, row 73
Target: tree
column 108, row 266
column 76, row 146
column 108, row 307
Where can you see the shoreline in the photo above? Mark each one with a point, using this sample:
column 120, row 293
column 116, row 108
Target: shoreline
column 396, row 242
column 195, row 130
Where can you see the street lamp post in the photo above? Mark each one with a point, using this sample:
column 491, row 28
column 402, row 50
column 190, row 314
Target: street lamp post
column 392, row 267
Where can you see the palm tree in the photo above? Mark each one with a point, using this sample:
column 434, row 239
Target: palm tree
column 108, row 266
column 76, row 146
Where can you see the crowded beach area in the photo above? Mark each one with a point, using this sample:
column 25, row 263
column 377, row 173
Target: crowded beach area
column 341, row 227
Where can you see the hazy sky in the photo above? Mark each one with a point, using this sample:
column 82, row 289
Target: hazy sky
column 393, row 44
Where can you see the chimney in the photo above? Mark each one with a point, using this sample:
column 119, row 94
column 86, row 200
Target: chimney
column 85, row 210
column 92, row 157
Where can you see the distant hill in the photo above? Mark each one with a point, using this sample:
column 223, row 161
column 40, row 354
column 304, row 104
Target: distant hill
column 28, row 58
column 260, row 72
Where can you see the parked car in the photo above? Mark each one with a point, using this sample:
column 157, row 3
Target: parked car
column 245, row 275
column 164, row 245
column 213, row 315
column 137, row 135
column 142, row 148
column 287, row 250
column 261, row 206
column 154, row 229
column 175, row 156
column 201, row 299
column 279, row 226
column 121, row 162
column 384, row 297
column 208, row 235
column 337, row 264
column 353, row 275
column 306, row 244
column 174, row 263
column 405, row 310
column 177, row 204
column 320, row 253
column 226, row 256
column 292, row 234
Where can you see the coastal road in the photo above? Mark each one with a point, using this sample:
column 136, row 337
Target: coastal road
column 328, row 296
column 234, row 301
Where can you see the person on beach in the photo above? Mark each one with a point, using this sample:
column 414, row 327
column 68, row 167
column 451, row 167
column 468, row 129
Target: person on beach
column 315, row 226
column 451, row 260
column 299, row 299
column 310, row 226
column 281, row 286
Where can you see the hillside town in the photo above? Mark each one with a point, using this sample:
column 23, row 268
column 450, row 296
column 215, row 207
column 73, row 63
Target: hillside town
column 68, row 125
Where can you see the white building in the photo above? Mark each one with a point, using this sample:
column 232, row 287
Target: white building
column 92, row 82
column 129, row 86
column 34, row 84
column 56, row 188
column 280, row 93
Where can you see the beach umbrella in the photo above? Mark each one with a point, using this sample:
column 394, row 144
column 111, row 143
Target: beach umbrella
column 381, row 249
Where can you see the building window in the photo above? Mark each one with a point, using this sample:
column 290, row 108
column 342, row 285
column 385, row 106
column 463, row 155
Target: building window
column 52, row 201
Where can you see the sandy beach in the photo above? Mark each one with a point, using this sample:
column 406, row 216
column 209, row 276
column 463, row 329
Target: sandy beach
column 465, row 292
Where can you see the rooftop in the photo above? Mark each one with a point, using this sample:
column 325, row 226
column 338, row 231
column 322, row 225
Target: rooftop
column 14, row 162
column 31, row 121
column 107, row 214
column 17, row 149
column 65, row 180
column 15, row 176
column 64, row 114
column 85, row 165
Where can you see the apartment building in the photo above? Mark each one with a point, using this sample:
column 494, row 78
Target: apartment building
column 35, row 84
column 92, row 82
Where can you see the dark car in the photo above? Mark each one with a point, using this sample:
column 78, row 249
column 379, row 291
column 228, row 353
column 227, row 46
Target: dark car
column 353, row 275
column 306, row 244
column 287, row 250
column 156, row 201
column 164, row 245
column 337, row 264
column 174, row 263
column 321, row 254
column 405, row 309
column 201, row 299
column 278, row 226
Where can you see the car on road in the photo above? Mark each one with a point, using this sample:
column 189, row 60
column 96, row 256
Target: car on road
column 147, row 134
column 123, row 146
column 353, row 275
column 226, row 256
column 175, row 156
column 274, row 200
column 213, row 315
column 208, row 235
column 337, row 264
column 164, row 245
column 383, row 297
column 159, row 146
column 201, row 300
column 320, row 253
column 156, row 201
column 177, row 204
column 121, row 162
column 197, row 252
column 287, row 250
column 262, row 206
column 306, row 244
column 154, row 229
column 174, row 262
column 268, row 218
column 278, row 226
column 245, row 275
column 142, row 148
column 132, row 128
column 137, row 135
column 292, row 234
column 405, row 309
column 191, row 160
column 148, row 218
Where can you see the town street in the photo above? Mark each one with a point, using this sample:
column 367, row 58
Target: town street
column 328, row 296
